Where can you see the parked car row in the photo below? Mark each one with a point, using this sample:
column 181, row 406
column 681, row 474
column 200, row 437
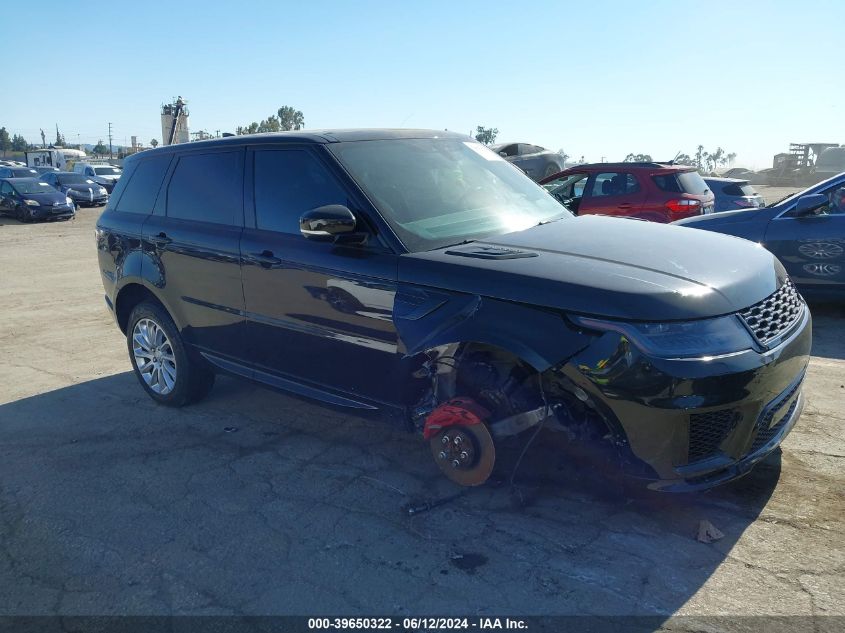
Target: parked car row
column 44, row 193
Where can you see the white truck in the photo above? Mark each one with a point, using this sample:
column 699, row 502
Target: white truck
column 58, row 158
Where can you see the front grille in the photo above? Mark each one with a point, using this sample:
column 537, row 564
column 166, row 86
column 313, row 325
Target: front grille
column 708, row 430
column 775, row 315
column 767, row 427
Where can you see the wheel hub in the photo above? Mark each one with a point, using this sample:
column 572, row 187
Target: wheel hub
column 465, row 454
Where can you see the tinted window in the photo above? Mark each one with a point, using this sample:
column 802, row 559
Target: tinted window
column 139, row 194
column 614, row 184
column 206, row 188
column 692, row 182
column 5, row 189
column 288, row 183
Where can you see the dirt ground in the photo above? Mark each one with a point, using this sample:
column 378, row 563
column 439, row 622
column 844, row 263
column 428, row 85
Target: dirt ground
column 253, row 502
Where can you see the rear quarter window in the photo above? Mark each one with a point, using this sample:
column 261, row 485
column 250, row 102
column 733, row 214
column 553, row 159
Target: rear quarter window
column 681, row 182
column 137, row 191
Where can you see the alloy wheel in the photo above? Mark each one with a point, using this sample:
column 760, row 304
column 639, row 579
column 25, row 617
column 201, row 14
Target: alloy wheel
column 154, row 356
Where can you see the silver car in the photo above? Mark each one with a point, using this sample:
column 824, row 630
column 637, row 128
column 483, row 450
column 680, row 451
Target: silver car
column 534, row 160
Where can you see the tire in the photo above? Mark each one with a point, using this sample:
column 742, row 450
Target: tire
column 172, row 376
column 20, row 215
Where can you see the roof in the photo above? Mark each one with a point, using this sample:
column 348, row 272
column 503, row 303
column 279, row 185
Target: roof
column 622, row 165
column 320, row 137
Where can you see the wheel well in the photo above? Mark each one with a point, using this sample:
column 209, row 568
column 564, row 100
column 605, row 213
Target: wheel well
column 128, row 297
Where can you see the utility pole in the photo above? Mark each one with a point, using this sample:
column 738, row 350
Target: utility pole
column 111, row 156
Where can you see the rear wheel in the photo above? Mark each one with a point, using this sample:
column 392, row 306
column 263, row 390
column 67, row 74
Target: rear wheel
column 164, row 367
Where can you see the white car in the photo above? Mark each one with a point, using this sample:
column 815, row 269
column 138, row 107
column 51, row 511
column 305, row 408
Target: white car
column 103, row 174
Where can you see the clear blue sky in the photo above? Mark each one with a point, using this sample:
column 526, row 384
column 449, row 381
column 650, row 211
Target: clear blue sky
column 595, row 78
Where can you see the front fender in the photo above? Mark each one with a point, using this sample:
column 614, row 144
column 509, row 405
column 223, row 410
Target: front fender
column 426, row 318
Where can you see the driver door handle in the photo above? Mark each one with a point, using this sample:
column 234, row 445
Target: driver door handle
column 161, row 239
column 266, row 258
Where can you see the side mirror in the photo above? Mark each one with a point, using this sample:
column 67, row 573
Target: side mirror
column 503, row 154
column 807, row 205
column 327, row 222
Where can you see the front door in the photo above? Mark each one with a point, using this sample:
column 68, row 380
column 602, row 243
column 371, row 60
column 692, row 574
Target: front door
column 812, row 248
column 319, row 314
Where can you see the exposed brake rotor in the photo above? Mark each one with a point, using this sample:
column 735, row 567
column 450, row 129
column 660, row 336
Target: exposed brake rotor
column 465, row 453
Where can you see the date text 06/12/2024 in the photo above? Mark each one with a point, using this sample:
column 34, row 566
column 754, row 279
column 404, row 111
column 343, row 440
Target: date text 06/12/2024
column 417, row 624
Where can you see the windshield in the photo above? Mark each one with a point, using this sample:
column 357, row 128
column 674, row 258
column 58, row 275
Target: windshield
column 24, row 173
column 107, row 171
column 33, row 187
column 438, row 192
column 74, row 179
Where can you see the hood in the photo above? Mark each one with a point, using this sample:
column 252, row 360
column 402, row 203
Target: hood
column 105, row 178
column 45, row 198
column 610, row 267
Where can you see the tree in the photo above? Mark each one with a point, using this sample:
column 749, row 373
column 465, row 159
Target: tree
column 154, row 143
column 684, row 159
column 731, row 158
column 60, row 140
column 290, row 118
column 486, row 135
column 100, row 147
column 43, row 139
column 5, row 141
column 699, row 157
column 638, row 158
column 19, row 143
column 287, row 118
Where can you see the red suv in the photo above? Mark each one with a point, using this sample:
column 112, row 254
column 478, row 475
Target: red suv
column 651, row 191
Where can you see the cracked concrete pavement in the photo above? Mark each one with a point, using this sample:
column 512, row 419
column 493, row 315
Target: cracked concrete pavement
column 253, row 502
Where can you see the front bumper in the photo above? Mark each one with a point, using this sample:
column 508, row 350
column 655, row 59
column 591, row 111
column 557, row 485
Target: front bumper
column 50, row 212
column 93, row 199
column 692, row 424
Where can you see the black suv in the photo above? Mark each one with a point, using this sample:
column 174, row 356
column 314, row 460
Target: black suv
column 419, row 276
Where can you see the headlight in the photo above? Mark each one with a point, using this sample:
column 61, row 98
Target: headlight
column 31, row 203
column 686, row 339
column 102, row 191
column 68, row 201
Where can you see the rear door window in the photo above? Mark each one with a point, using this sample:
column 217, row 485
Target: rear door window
column 207, row 188
column 289, row 182
column 613, row 184
column 141, row 189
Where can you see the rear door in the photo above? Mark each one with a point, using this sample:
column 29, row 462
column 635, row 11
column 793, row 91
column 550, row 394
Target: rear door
column 193, row 237
column 613, row 193
column 811, row 248
column 320, row 313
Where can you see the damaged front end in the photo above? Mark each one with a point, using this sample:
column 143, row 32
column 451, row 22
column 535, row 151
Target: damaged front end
column 676, row 424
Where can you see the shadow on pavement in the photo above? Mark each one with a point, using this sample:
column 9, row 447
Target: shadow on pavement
column 256, row 503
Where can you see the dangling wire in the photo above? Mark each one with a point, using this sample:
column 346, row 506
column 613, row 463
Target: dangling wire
column 546, row 413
